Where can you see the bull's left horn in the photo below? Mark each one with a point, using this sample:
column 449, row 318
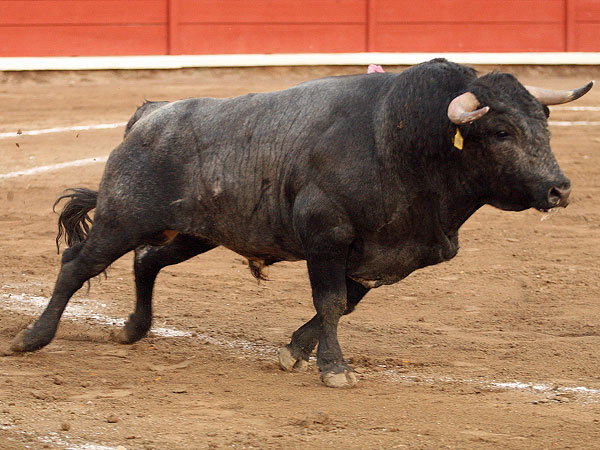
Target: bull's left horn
column 552, row 97
column 463, row 109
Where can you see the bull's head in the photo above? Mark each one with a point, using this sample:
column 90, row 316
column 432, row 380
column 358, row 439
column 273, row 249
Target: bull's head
column 505, row 129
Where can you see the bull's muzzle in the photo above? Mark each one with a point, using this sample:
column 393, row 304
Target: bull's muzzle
column 559, row 195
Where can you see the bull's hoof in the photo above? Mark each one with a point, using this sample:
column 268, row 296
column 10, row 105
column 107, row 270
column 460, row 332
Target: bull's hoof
column 290, row 364
column 28, row 341
column 339, row 379
column 133, row 330
column 121, row 336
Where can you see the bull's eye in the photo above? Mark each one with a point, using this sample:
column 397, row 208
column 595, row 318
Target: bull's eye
column 502, row 135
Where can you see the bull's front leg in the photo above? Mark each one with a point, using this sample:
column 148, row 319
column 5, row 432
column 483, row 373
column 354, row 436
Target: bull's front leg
column 294, row 356
column 326, row 234
column 328, row 282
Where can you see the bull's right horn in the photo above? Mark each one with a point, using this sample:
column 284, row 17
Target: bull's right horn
column 463, row 109
column 552, row 97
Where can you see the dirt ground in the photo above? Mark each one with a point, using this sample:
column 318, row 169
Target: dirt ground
column 497, row 349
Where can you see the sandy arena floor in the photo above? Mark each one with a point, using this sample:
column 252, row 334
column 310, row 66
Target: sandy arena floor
column 497, row 349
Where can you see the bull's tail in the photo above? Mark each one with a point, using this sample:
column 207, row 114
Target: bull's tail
column 74, row 221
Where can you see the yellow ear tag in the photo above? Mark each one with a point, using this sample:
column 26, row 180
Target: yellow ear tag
column 458, row 140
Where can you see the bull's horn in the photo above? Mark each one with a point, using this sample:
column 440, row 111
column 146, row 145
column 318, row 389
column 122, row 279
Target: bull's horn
column 551, row 97
column 463, row 109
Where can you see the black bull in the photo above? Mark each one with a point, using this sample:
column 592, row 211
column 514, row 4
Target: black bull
column 361, row 176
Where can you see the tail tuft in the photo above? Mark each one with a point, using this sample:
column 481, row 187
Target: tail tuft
column 74, row 221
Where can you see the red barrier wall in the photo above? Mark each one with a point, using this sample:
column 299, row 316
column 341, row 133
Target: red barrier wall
column 583, row 32
column 467, row 26
column 269, row 26
column 144, row 27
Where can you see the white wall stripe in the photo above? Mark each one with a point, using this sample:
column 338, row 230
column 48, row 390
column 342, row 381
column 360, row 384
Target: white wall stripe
column 289, row 59
column 35, row 170
column 100, row 126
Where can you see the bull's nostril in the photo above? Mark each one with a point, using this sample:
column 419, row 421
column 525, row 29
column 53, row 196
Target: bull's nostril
column 559, row 195
column 553, row 196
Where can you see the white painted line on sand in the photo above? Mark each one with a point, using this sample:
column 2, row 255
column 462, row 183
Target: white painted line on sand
column 565, row 123
column 80, row 309
column 545, row 387
column 41, row 169
column 55, row 439
column 99, row 126
column 588, row 395
column 51, row 167
column 575, row 108
column 89, row 309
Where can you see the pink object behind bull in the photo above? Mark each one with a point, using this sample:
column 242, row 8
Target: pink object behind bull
column 374, row 68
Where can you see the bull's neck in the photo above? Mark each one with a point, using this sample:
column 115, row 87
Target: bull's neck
column 464, row 195
column 447, row 185
column 416, row 150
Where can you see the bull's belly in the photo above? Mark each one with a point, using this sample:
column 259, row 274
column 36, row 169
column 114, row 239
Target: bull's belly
column 269, row 249
column 255, row 243
column 379, row 265
column 254, row 235
column 375, row 273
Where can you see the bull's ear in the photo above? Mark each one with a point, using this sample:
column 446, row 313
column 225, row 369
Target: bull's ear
column 552, row 97
column 464, row 109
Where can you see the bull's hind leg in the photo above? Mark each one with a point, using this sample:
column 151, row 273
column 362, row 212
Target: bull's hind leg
column 80, row 263
column 149, row 260
column 294, row 356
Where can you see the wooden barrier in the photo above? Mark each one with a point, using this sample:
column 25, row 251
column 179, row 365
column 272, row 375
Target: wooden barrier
column 156, row 27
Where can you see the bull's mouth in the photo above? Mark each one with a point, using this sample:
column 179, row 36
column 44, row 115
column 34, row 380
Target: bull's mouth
column 545, row 209
column 549, row 206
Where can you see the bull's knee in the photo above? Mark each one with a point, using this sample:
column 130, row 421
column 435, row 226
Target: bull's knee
column 72, row 252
